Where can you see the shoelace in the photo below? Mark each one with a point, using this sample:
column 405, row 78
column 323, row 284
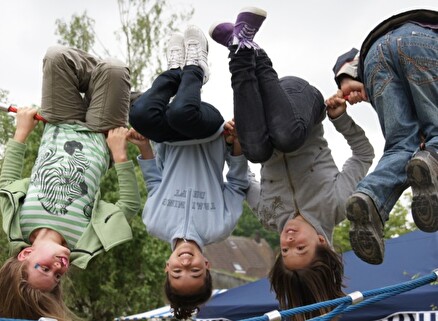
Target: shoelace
column 176, row 58
column 197, row 55
column 246, row 36
column 194, row 53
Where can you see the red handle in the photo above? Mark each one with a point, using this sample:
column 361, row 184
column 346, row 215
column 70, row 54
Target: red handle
column 13, row 109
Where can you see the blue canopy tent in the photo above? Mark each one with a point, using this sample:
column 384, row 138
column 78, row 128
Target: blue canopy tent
column 406, row 257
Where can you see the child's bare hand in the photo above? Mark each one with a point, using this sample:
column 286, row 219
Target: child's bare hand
column 117, row 143
column 355, row 97
column 136, row 138
column 142, row 143
column 353, row 90
column 25, row 123
column 336, row 105
column 229, row 125
column 230, row 132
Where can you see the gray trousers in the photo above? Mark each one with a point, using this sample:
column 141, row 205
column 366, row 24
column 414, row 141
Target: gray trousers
column 79, row 88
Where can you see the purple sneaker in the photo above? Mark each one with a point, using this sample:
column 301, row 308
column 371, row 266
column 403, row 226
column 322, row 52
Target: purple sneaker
column 222, row 33
column 247, row 24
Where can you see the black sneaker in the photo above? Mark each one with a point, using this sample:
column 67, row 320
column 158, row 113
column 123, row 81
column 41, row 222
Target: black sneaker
column 366, row 230
column 422, row 171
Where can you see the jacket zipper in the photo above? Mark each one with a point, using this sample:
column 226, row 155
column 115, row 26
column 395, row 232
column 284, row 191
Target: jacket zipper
column 186, row 222
column 286, row 165
column 11, row 198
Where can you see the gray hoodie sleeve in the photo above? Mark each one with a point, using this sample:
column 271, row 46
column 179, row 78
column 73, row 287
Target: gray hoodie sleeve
column 356, row 167
column 236, row 185
column 151, row 174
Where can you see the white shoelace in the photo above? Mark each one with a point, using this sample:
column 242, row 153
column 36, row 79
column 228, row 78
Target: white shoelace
column 176, row 58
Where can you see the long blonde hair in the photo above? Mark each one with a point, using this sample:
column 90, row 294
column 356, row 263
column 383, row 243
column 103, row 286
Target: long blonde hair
column 19, row 300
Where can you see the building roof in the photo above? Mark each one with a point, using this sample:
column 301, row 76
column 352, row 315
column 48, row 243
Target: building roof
column 243, row 255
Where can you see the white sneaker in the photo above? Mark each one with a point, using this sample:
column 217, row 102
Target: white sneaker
column 175, row 51
column 196, row 46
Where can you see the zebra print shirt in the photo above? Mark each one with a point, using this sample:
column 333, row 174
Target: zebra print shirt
column 64, row 181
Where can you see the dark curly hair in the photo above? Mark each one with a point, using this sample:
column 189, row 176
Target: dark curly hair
column 322, row 280
column 184, row 306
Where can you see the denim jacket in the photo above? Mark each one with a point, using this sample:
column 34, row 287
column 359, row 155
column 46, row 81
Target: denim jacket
column 354, row 58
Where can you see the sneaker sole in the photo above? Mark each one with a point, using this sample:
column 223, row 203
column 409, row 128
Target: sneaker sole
column 368, row 246
column 254, row 10
column 425, row 198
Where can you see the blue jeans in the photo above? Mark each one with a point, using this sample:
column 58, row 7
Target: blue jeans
column 186, row 117
column 270, row 112
column 401, row 79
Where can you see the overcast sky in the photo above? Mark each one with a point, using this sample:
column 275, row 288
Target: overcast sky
column 303, row 38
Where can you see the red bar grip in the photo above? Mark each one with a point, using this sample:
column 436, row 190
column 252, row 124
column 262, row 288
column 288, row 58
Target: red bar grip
column 13, row 109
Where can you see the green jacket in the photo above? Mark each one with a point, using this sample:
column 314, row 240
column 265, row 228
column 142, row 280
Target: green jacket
column 109, row 224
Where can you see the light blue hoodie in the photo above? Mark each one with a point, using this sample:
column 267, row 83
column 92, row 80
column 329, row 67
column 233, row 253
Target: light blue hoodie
column 187, row 195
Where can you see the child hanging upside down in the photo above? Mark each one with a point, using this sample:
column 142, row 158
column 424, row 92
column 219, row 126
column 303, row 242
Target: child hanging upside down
column 189, row 205
column 302, row 193
column 56, row 217
column 396, row 71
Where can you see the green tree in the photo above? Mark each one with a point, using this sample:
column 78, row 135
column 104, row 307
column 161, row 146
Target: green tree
column 249, row 226
column 145, row 29
column 6, row 129
column 6, row 124
column 79, row 33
